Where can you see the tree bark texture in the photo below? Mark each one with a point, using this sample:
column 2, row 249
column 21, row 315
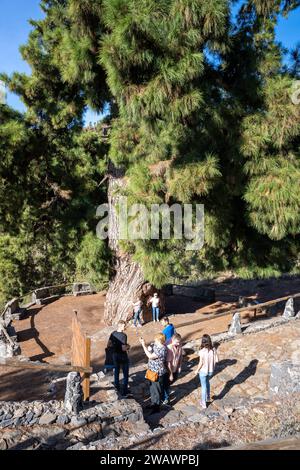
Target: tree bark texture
column 127, row 282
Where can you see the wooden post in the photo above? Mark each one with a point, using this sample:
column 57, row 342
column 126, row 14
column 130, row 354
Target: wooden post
column 86, row 377
column 81, row 353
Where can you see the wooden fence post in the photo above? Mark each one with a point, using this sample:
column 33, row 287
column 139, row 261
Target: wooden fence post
column 81, row 353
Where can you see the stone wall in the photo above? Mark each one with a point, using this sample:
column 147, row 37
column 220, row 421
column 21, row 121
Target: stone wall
column 195, row 292
column 42, row 426
column 9, row 346
column 15, row 414
column 285, row 378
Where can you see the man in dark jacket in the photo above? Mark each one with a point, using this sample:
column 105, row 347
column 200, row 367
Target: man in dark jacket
column 120, row 348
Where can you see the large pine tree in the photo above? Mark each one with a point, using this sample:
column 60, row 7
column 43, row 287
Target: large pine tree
column 201, row 98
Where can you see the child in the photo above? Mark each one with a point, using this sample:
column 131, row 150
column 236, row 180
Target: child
column 168, row 330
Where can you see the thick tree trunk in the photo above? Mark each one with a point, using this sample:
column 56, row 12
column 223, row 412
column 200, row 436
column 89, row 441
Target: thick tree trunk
column 126, row 286
column 127, row 282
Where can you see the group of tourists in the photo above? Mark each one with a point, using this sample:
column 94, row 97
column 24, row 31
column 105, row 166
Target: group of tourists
column 164, row 355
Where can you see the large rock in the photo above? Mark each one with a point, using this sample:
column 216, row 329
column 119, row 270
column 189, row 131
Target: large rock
column 289, row 311
column 173, row 417
column 235, row 327
column 78, row 422
column 3, row 349
column 285, row 378
column 74, row 396
column 3, row 444
column 8, row 350
column 63, row 419
column 48, row 418
column 9, row 346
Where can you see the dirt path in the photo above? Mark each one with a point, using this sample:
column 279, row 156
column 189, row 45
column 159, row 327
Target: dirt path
column 45, row 335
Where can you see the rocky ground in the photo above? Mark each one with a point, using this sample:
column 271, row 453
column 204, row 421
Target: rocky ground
column 242, row 411
column 237, row 421
column 243, row 370
column 40, row 425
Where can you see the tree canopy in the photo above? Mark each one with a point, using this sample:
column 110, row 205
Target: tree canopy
column 199, row 103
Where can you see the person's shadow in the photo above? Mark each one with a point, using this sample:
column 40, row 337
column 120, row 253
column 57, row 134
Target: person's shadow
column 221, row 365
column 239, row 379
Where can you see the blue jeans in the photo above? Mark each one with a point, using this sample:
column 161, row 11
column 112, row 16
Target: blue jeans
column 205, row 386
column 136, row 317
column 155, row 313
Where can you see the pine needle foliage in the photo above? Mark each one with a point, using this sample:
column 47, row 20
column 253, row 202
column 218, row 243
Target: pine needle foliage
column 225, row 128
column 200, row 111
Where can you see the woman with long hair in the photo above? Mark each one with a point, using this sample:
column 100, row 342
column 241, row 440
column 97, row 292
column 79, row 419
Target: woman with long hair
column 207, row 361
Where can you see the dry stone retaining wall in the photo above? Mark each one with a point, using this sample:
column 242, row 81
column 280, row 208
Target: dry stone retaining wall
column 238, row 329
column 15, row 414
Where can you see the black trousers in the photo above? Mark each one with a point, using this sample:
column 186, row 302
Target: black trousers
column 121, row 362
column 157, row 390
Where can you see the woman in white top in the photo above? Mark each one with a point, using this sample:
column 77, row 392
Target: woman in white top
column 207, row 361
column 155, row 302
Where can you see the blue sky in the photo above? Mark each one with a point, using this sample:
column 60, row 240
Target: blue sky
column 14, row 29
